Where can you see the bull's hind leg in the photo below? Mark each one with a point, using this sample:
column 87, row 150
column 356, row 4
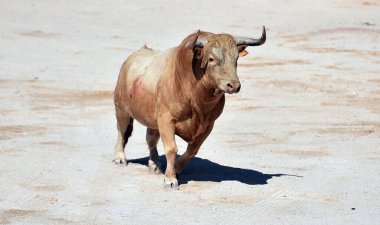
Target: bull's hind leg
column 152, row 137
column 125, row 128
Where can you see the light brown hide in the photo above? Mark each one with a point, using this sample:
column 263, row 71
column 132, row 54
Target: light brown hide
column 176, row 92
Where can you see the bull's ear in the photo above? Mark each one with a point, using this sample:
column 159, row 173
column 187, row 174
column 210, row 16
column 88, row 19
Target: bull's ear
column 204, row 62
column 197, row 52
column 242, row 51
column 198, row 55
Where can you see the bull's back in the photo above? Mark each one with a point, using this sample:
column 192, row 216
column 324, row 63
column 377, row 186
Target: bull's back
column 135, row 91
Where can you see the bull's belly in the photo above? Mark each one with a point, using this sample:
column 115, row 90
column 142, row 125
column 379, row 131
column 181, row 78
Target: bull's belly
column 145, row 117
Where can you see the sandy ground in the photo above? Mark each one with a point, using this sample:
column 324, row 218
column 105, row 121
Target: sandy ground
column 298, row 145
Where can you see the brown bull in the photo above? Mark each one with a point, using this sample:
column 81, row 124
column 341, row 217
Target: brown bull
column 177, row 92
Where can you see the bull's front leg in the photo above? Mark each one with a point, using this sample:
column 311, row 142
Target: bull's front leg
column 192, row 149
column 166, row 128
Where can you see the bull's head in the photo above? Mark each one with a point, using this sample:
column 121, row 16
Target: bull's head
column 216, row 55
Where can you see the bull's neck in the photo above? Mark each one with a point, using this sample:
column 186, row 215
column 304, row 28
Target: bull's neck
column 199, row 93
column 191, row 85
column 206, row 95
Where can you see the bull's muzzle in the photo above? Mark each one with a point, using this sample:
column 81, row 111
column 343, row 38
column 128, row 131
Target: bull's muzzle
column 231, row 87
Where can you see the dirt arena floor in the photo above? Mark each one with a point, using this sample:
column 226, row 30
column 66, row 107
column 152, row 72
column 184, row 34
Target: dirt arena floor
column 299, row 144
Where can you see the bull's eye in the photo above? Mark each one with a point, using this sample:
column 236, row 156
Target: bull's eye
column 212, row 61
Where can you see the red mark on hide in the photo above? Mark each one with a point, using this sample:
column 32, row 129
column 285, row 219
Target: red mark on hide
column 135, row 87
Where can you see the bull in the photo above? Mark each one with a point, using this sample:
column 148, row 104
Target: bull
column 180, row 91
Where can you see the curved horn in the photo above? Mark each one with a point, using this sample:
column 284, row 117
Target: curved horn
column 201, row 42
column 251, row 41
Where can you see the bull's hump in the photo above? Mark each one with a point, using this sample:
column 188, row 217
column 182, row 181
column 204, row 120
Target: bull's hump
column 142, row 59
column 148, row 66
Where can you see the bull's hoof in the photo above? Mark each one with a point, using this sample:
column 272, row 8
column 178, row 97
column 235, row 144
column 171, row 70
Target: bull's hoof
column 119, row 161
column 171, row 183
column 154, row 168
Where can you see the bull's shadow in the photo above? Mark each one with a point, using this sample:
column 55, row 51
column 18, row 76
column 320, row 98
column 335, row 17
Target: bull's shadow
column 199, row 169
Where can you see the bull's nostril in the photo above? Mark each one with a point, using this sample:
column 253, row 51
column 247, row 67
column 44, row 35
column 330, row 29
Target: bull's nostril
column 238, row 89
column 229, row 85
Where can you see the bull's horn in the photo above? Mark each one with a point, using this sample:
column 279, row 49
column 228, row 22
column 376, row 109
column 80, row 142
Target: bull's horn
column 201, row 42
column 251, row 41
